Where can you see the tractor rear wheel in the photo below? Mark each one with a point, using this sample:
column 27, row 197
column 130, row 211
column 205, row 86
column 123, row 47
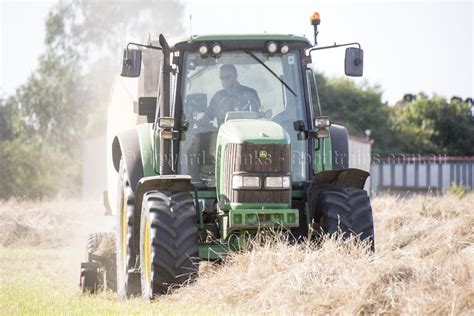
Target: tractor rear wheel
column 347, row 211
column 168, row 241
column 128, row 281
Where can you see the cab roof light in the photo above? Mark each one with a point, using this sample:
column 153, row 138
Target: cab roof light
column 216, row 49
column 203, row 50
column 271, row 47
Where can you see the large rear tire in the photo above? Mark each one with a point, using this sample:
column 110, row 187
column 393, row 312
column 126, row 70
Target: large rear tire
column 347, row 211
column 128, row 283
column 168, row 242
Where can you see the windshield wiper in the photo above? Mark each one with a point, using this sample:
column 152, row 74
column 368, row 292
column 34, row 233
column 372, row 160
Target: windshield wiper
column 270, row 70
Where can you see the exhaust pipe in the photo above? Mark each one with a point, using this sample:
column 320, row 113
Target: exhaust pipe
column 165, row 108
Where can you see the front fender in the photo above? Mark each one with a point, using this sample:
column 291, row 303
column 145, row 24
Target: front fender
column 174, row 183
column 342, row 178
column 134, row 146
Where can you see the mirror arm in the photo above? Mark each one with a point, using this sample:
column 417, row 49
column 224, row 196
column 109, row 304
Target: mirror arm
column 128, row 61
column 332, row 46
column 142, row 45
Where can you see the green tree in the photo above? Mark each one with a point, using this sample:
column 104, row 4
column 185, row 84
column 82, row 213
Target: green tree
column 34, row 169
column 10, row 121
column 43, row 125
column 359, row 108
column 45, row 120
column 434, row 126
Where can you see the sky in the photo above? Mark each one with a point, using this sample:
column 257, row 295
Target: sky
column 409, row 46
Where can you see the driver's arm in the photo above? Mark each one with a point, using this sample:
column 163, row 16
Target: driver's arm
column 211, row 111
column 257, row 99
column 254, row 100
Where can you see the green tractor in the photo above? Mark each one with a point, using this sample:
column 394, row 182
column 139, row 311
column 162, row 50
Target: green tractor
column 231, row 146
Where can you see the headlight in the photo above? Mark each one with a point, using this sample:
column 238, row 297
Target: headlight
column 277, row 182
column 284, row 49
column 167, row 134
column 322, row 121
column 245, row 182
column 166, row 122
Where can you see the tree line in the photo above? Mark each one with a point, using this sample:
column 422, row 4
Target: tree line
column 63, row 102
column 418, row 124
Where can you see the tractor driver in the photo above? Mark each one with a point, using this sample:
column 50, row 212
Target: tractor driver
column 233, row 97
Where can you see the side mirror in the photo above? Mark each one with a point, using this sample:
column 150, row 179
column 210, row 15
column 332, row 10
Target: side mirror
column 132, row 63
column 354, row 62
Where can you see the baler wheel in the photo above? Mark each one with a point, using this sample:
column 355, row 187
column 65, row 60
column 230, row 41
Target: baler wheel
column 90, row 282
column 93, row 243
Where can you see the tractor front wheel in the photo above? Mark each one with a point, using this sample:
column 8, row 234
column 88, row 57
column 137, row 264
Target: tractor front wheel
column 347, row 211
column 168, row 242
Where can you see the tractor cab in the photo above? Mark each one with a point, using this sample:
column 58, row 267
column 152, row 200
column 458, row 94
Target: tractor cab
column 231, row 79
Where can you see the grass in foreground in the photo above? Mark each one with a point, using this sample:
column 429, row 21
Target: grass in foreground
column 424, row 264
column 36, row 282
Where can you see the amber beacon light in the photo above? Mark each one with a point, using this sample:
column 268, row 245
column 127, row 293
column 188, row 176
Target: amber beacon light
column 315, row 20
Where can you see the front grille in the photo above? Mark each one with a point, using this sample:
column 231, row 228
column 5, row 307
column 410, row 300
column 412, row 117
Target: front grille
column 246, row 158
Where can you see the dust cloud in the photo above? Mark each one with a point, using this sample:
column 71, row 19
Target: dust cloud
column 115, row 97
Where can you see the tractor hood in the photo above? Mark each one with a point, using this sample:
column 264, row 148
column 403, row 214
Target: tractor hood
column 257, row 147
column 251, row 131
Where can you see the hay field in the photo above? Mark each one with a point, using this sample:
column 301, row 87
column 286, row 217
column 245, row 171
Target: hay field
column 424, row 264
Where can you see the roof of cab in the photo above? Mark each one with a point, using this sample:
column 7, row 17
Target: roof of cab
column 182, row 42
column 262, row 37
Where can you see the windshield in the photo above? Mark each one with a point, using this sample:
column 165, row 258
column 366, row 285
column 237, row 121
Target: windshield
column 265, row 87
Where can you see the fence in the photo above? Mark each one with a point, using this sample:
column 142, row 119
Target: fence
column 402, row 174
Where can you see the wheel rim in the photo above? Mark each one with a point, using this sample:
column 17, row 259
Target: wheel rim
column 147, row 253
column 124, row 233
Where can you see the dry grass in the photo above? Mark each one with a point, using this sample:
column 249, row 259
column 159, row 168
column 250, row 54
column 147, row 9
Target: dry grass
column 424, row 264
column 49, row 223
